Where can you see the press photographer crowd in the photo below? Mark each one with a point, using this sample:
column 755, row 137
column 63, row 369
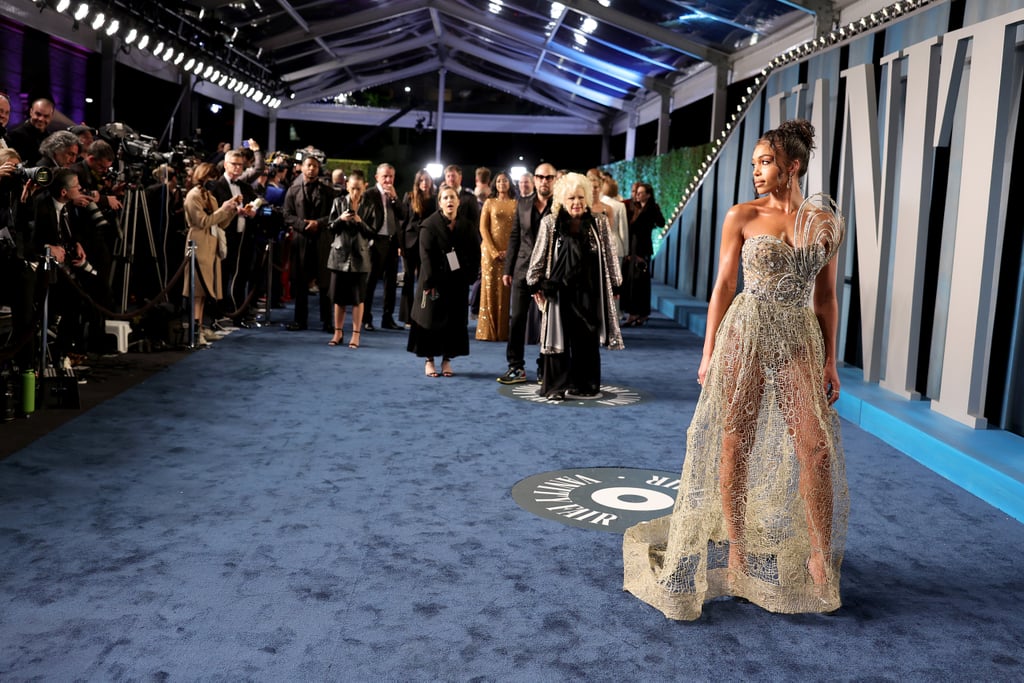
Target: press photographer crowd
column 97, row 225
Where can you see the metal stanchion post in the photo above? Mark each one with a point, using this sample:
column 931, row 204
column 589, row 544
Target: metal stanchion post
column 192, row 294
column 270, row 280
column 48, row 269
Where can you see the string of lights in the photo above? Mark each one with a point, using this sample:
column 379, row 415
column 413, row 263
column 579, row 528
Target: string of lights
column 838, row 35
column 246, row 77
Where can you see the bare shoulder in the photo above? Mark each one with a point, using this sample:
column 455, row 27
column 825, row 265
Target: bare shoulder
column 741, row 214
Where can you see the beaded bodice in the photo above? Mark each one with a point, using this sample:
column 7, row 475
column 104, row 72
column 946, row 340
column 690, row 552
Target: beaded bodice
column 783, row 273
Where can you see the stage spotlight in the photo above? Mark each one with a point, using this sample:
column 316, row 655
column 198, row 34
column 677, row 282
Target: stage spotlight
column 168, row 54
column 179, row 59
column 190, row 63
column 199, row 69
column 215, row 108
column 97, row 21
column 62, row 6
column 113, row 27
column 223, row 80
column 143, row 41
column 158, row 49
column 131, row 36
column 82, row 12
column 208, row 72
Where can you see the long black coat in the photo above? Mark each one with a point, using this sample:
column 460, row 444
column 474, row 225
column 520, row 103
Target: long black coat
column 309, row 247
column 450, row 309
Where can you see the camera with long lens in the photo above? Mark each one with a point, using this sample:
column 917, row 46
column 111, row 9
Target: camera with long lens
column 40, row 174
column 98, row 218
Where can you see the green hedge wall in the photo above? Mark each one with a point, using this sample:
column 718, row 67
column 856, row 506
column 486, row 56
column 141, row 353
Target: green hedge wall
column 669, row 174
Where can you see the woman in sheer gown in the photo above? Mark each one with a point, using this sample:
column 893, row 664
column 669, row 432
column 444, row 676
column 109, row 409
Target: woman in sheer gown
column 495, row 229
column 763, row 504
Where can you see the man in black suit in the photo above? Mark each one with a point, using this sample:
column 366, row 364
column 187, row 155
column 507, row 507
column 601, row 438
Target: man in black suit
column 29, row 134
column 529, row 212
column 238, row 266
column 57, row 227
column 307, row 206
column 385, row 249
column 5, row 117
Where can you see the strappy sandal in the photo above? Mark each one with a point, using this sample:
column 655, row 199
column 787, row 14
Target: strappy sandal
column 446, row 369
column 354, row 341
column 337, row 340
column 430, row 370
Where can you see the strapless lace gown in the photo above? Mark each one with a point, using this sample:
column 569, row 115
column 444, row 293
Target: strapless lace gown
column 763, row 393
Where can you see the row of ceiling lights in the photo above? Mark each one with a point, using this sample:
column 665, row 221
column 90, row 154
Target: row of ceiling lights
column 822, row 42
column 110, row 26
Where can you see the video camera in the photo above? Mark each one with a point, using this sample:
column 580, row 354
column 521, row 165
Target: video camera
column 301, row 154
column 138, row 152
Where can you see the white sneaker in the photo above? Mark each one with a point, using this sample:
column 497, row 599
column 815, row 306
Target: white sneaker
column 210, row 335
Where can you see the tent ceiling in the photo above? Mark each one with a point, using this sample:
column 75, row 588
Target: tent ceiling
column 587, row 59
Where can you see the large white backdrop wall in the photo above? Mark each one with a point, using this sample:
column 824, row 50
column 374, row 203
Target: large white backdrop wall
column 918, row 143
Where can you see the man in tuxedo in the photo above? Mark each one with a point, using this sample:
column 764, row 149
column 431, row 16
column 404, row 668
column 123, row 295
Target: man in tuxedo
column 29, row 134
column 529, row 212
column 57, row 228
column 385, row 249
column 238, row 266
column 307, row 206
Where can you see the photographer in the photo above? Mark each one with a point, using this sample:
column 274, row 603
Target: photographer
column 57, row 228
column 239, row 263
column 30, row 133
column 96, row 180
column 16, row 278
column 5, row 117
column 59, row 150
column 95, row 175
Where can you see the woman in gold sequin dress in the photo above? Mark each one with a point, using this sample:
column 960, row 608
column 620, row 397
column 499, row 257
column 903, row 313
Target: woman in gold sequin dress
column 495, row 229
column 763, row 503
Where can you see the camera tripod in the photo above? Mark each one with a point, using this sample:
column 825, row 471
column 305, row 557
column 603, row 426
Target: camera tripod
column 136, row 210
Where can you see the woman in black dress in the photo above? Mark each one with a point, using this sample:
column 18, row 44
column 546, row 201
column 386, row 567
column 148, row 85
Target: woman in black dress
column 644, row 216
column 349, row 256
column 449, row 260
column 419, row 203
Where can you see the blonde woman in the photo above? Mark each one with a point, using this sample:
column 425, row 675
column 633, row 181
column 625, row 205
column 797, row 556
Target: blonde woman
column 573, row 270
column 205, row 221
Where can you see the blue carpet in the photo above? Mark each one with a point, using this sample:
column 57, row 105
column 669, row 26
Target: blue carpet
column 274, row 509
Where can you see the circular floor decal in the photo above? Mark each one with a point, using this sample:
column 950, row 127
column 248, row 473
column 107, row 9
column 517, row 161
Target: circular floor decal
column 601, row 498
column 611, row 396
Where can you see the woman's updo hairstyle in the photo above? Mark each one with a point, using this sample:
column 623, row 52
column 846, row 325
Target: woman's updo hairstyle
column 794, row 140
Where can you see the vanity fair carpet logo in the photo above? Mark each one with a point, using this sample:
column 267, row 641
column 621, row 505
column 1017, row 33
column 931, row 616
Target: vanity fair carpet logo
column 601, row 498
column 611, row 396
